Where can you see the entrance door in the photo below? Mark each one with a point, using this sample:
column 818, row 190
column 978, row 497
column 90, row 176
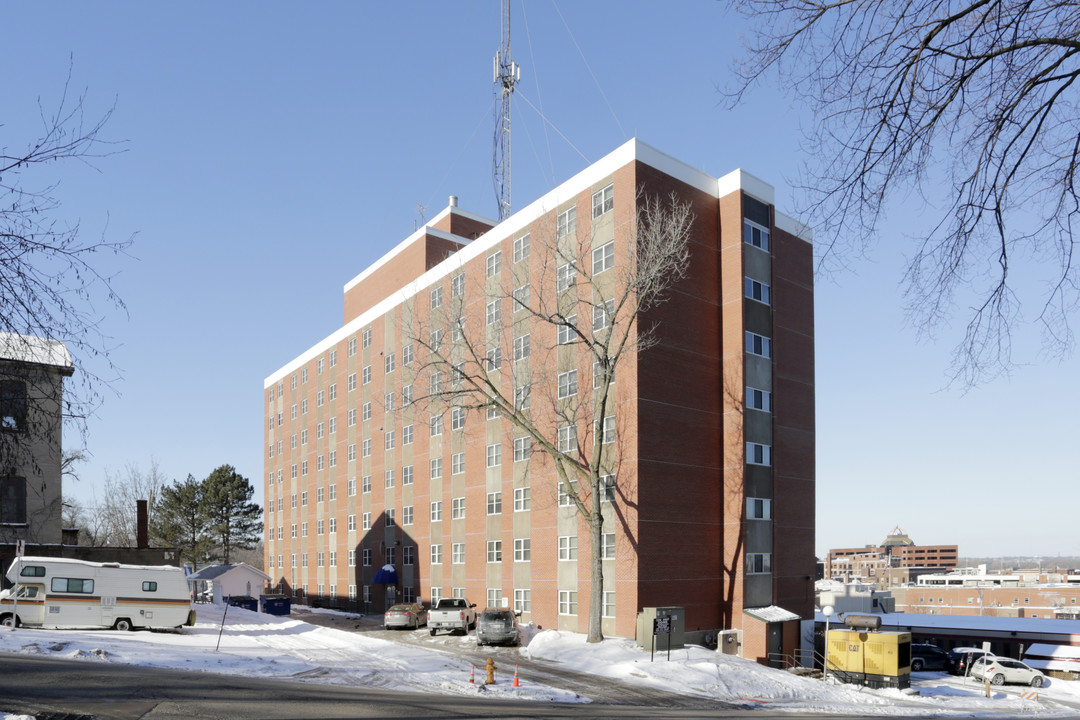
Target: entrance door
column 775, row 644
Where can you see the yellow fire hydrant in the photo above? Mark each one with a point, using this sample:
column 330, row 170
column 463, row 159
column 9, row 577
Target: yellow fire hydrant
column 490, row 667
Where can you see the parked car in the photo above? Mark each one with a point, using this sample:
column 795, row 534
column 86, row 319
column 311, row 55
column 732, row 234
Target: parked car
column 928, row 657
column 497, row 626
column 1006, row 670
column 457, row 615
column 963, row 657
column 405, row 615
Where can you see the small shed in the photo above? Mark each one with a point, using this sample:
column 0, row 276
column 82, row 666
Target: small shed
column 218, row 582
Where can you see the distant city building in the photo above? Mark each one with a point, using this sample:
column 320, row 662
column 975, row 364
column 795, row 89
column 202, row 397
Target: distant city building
column 895, row 561
column 971, row 591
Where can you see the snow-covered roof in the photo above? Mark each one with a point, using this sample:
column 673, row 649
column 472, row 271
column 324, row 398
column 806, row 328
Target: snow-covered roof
column 1059, row 652
column 1027, row 626
column 771, row 613
column 215, row 571
column 30, row 349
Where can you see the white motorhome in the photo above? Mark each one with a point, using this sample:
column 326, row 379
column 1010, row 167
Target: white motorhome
column 58, row 592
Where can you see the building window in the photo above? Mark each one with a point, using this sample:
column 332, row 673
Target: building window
column 607, row 488
column 522, row 448
column 598, row 368
column 333, row 458
column 757, row 291
column 521, row 397
column 352, row 346
column 319, row 431
column 494, row 597
column 568, row 547
column 457, row 418
column 319, row 364
column 493, row 312
column 522, row 499
column 352, row 382
column 602, row 315
column 331, row 425
column 388, row 515
column 408, row 555
column 567, row 440
column 436, row 297
column 494, row 503
column 758, row 345
column 522, row 601
column 457, row 285
column 366, row 337
column 522, row 549
column 436, row 554
column 567, row 602
column 567, row 330
column 366, row 520
column 603, row 201
column 407, row 354
column 494, row 359
column 521, row 248
column 435, row 340
column 494, row 551
column 758, row 454
column 494, row 455
column 351, row 489
column 457, row 463
column 607, row 430
column 494, row 263
column 436, row 510
column 607, row 546
column 609, row 603
column 756, row 235
column 365, row 411
column 388, row 363
column 436, row 425
column 13, row 494
column 331, row 392
column 758, row 563
column 365, row 375
column 566, row 223
column 303, row 375
column 388, row 476
column 521, row 297
column 388, row 440
column 351, row 524
column 564, row 496
column 567, row 384
column 407, row 475
column 365, row 448
column 457, row 508
column 603, row 258
column 565, row 275
column 521, row 347
column 407, row 515
column 303, row 406
column 365, row 484
column 457, row 553
column 351, row 417
column 320, row 399
column 758, row 399
column 303, row 530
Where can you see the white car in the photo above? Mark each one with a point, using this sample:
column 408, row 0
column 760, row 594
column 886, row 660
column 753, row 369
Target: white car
column 1006, row 670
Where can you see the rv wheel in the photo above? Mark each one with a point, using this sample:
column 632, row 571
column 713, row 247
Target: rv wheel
column 9, row 621
column 124, row 624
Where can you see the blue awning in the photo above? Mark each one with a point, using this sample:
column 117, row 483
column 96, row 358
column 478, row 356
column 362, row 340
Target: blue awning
column 386, row 575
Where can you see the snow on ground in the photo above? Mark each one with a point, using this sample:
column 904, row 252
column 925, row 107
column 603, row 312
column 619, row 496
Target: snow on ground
column 267, row 646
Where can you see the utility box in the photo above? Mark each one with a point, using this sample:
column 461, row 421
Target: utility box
column 729, row 642
column 874, row 659
column 672, row 619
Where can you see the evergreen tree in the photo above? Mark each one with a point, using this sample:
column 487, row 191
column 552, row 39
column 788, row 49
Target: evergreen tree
column 235, row 521
column 180, row 519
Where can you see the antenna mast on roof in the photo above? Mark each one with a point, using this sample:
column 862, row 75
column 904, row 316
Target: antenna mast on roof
column 507, row 73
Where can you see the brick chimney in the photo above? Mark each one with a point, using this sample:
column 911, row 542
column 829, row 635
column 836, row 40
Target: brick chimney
column 142, row 527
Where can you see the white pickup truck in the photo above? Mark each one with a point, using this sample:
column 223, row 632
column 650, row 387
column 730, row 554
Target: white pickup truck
column 454, row 614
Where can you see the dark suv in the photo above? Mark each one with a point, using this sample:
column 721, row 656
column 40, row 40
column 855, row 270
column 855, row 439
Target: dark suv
column 929, row 657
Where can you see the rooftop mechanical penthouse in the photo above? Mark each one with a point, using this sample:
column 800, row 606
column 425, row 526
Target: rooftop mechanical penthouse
column 381, row 452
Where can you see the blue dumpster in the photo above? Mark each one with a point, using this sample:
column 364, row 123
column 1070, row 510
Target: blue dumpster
column 244, row 601
column 276, row 604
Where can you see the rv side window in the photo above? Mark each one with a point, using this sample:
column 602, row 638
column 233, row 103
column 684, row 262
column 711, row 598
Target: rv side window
column 33, row 571
column 149, row 586
column 72, row 585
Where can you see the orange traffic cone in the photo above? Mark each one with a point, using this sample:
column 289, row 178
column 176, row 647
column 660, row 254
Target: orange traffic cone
column 472, row 675
column 516, row 676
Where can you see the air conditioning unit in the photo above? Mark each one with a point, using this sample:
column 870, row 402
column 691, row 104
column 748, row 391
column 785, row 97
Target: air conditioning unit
column 729, row 642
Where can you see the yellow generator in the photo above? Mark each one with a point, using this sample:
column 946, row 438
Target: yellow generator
column 874, row 659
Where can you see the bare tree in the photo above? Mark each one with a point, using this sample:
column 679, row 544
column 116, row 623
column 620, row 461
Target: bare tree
column 50, row 286
column 114, row 515
column 973, row 104
column 563, row 321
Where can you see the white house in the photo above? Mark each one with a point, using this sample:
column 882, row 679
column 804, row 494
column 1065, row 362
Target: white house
column 223, row 581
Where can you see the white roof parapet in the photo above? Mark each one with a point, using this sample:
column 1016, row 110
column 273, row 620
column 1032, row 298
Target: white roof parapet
column 791, row 225
column 37, row 350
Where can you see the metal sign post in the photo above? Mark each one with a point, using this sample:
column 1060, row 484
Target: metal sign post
column 661, row 626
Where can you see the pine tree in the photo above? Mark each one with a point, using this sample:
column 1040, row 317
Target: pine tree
column 235, row 521
column 180, row 519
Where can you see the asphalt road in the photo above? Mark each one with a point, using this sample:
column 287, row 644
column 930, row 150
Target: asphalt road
column 71, row 690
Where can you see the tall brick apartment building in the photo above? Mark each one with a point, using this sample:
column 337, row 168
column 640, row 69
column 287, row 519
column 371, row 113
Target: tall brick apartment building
column 711, row 506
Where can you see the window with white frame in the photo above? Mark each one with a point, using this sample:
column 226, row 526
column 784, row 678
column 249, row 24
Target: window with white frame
column 565, row 276
column 407, row 435
column 457, row 463
column 365, row 484
column 494, row 263
column 366, row 337
column 568, row 547
column 457, row 553
column 522, row 449
column 756, row 290
column 407, row 475
column 436, row 468
column 522, row 601
column 758, row 563
column 758, row 399
column 407, row 354
column 758, row 454
column 319, row 365
column 607, row 546
column 303, row 529
column 351, row 417
column 435, row 341
column 521, row 347
column 598, row 374
column 351, row 522
column 521, row 297
column 457, row 418
column 388, row 363
column 521, row 248
column 603, row 258
column 494, row 503
column 436, row 297
column 602, row 315
column 303, row 407
column 352, row 382
column 303, row 375
column 332, row 492
column 352, row 487
column 609, row 604
column 331, row 392
column 522, row 549
column 494, row 358
column 388, row 440
column 494, row 551
column 365, row 448
column 406, row 396
column 320, row 526
column 457, row 285
column 388, row 476
column 607, row 430
column 758, row 345
column 388, row 402
column 494, row 597
column 522, row 499
column 493, row 412
column 566, row 223
column 365, row 375
column 603, row 201
column 567, row 602
column 331, row 425
column 521, row 396
column 457, row 508
column 493, row 312
column 756, row 235
column 332, row 458
column 407, row 515
column 758, row 508
column 436, row 554
column 388, row 515
column 567, row 438
column 568, row 384
column 607, row 488
column 352, row 346
column 319, row 431
column 566, row 332
column 366, row 558
column 366, row 519
column 435, row 425
column 436, row 510
column 494, row 455
column 436, row 595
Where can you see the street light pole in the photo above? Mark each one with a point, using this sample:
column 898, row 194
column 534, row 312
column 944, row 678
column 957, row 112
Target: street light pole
column 827, row 611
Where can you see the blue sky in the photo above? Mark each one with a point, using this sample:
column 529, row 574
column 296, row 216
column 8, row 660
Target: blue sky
column 275, row 150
